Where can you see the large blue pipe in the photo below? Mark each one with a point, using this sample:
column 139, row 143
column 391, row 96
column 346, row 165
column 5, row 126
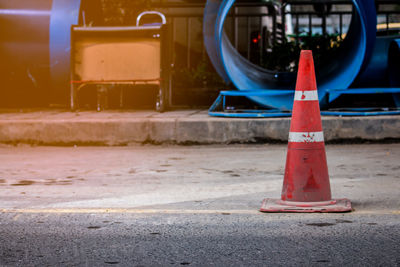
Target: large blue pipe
column 64, row 13
column 340, row 73
column 35, row 50
column 394, row 68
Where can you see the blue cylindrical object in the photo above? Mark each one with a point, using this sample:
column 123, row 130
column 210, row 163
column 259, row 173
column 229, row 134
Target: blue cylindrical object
column 340, row 73
column 64, row 13
column 34, row 48
column 394, row 63
column 394, row 68
column 24, row 58
column 375, row 74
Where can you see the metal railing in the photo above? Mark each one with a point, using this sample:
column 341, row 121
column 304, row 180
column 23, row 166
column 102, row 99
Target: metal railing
column 185, row 33
column 324, row 14
column 186, row 47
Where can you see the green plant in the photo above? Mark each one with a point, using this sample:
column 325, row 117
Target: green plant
column 123, row 12
column 202, row 75
column 284, row 56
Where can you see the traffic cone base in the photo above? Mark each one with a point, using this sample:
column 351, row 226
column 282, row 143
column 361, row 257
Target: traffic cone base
column 306, row 186
column 278, row 205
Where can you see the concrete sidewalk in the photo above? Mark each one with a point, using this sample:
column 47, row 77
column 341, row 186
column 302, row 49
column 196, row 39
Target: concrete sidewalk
column 57, row 127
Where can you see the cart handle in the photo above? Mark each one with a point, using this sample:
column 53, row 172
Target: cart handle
column 162, row 16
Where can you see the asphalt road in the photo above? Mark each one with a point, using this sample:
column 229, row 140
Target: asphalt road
column 194, row 205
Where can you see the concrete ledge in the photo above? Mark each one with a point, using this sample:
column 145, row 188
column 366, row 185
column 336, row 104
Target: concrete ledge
column 180, row 127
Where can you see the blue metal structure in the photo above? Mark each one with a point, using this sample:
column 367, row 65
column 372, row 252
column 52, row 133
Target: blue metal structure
column 353, row 58
column 225, row 111
column 64, row 14
column 394, row 68
column 23, row 49
column 363, row 111
column 221, row 109
column 34, row 49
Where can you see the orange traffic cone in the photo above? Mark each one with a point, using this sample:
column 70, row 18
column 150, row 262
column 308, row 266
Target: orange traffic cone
column 306, row 186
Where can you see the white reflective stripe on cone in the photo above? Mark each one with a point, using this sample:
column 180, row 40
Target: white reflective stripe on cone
column 306, row 95
column 306, row 137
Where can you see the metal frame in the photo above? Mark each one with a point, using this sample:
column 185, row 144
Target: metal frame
column 220, row 109
column 160, row 102
column 363, row 111
column 172, row 37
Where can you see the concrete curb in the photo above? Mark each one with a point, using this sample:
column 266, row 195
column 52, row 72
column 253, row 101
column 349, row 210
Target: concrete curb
column 186, row 127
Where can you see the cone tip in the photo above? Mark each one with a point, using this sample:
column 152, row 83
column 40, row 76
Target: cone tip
column 306, row 73
column 306, row 53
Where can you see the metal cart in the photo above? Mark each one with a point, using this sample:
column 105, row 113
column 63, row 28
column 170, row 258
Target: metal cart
column 106, row 56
